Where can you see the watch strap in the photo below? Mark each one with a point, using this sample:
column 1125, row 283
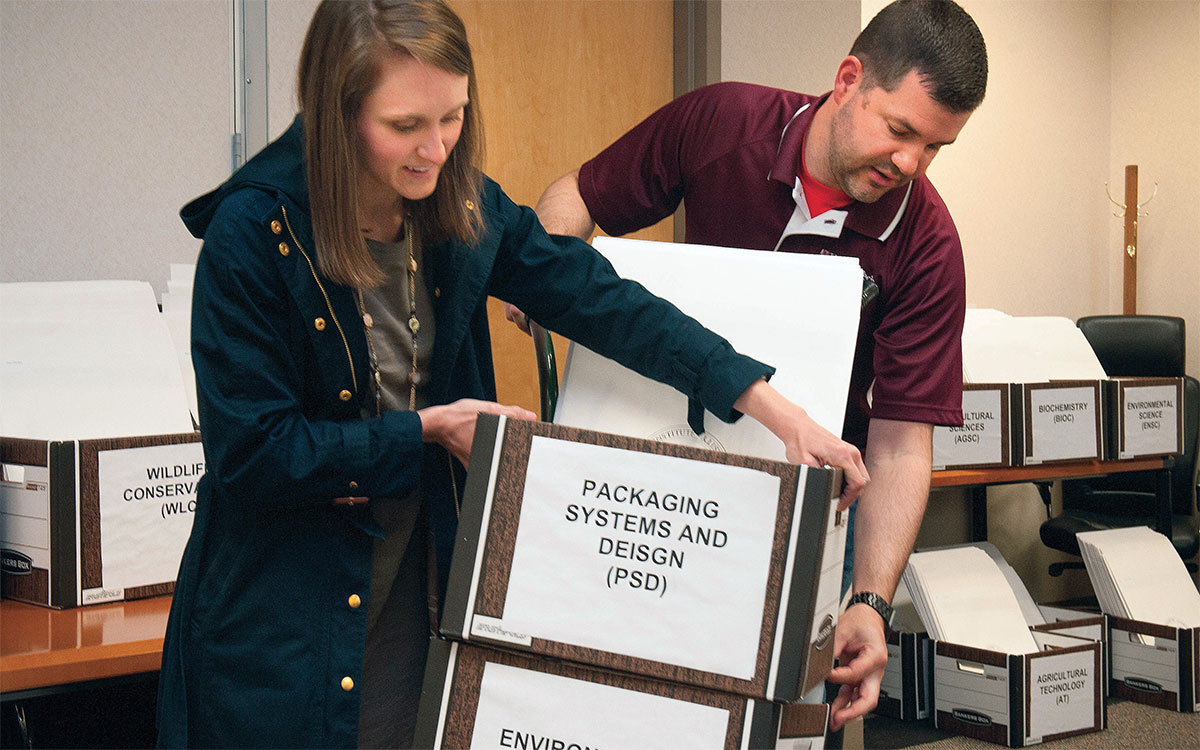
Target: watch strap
column 875, row 602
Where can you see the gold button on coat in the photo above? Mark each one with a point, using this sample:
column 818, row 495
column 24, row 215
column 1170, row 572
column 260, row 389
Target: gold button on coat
column 347, row 684
column 319, row 324
column 345, row 395
column 276, row 227
column 355, row 602
column 284, row 249
column 353, row 484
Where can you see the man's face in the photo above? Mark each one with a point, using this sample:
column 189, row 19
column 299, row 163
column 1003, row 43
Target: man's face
column 884, row 139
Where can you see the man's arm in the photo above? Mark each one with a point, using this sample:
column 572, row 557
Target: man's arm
column 562, row 211
column 899, row 459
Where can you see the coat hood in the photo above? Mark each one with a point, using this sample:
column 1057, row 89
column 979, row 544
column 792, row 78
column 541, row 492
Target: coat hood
column 278, row 170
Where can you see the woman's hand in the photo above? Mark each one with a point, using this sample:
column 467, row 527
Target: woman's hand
column 453, row 425
column 806, row 441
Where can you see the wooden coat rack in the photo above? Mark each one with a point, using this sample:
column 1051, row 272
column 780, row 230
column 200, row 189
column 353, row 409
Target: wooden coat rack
column 1129, row 299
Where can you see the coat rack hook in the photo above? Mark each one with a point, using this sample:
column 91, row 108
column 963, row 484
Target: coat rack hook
column 1120, row 214
column 1143, row 205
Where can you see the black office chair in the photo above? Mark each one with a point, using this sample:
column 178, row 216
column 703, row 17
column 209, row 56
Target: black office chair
column 1133, row 345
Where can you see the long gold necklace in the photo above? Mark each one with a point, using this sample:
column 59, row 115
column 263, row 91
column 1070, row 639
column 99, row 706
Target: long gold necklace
column 414, row 326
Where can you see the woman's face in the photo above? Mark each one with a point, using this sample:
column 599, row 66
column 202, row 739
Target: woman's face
column 409, row 124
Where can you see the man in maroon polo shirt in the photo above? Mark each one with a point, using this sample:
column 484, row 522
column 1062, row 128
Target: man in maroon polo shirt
column 774, row 170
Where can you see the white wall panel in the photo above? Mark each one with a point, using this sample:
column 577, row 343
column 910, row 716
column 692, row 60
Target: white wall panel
column 112, row 115
column 287, row 20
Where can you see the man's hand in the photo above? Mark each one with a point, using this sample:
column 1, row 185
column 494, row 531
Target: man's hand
column 514, row 315
column 861, row 651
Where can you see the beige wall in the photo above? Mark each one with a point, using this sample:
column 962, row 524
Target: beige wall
column 1156, row 124
column 793, row 44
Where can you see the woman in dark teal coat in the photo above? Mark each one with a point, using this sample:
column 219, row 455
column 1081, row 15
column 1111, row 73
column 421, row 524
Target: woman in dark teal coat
column 337, row 407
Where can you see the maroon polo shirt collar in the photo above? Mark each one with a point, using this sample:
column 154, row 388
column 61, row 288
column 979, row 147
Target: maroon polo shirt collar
column 869, row 219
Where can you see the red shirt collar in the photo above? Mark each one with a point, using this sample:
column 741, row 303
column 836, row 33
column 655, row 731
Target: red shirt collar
column 870, row 219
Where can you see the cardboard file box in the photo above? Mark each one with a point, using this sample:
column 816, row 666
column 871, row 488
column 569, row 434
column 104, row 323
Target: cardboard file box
column 1145, row 415
column 1061, row 420
column 985, row 440
column 906, row 691
column 90, row 521
column 483, row 697
column 802, row 726
column 668, row 561
column 1020, row 699
column 1155, row 664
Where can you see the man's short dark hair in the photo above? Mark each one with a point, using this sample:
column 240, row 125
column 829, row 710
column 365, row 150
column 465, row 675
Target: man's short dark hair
column 934, row 37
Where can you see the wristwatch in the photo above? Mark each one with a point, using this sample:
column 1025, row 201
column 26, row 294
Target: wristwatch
column 875, row 602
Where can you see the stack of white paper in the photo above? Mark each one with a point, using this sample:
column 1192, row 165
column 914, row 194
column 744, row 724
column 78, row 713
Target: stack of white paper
column 177, row 309
column 1000, row 348
column 963, row 598
column 798, row 313
column 1137, row 574
column 87, row 359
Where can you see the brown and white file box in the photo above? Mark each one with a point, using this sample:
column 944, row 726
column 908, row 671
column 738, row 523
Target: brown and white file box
column 1013, row 699
column 98, row 450
column 1061, row 420
column 1145, row 417
column 668, row 561
column 483, row 697
column 906, row 690
column 1020, row 699
column 1023, row 424
column 92, row 521
column 1155, row 664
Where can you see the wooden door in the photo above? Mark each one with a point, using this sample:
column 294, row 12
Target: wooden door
column 558, row 81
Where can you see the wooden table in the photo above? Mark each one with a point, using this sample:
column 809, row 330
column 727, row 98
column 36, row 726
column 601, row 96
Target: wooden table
column 45, row 649
column 978, row 480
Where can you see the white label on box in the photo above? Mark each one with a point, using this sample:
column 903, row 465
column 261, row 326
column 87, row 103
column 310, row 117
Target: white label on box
column 25, row 519
column 1062, row 693
column 523, row 708
column 1064, row 424
column 96, row 596
column 1151, row 416
column 980, row 440
column 493, row 628
column 650, row 556
column 147, row 498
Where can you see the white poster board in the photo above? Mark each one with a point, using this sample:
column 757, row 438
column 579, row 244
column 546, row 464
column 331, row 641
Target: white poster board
column 626, row 552
column 980, row 439
column 87, row 359
column 1063, row 423
column 147, row 501
column 523, row 708
column 798, row 313
column 1151, row 415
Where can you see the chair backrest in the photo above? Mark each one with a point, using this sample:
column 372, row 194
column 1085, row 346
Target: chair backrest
column 1146, row 346
column 1183, row 480
column 1137, row 345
